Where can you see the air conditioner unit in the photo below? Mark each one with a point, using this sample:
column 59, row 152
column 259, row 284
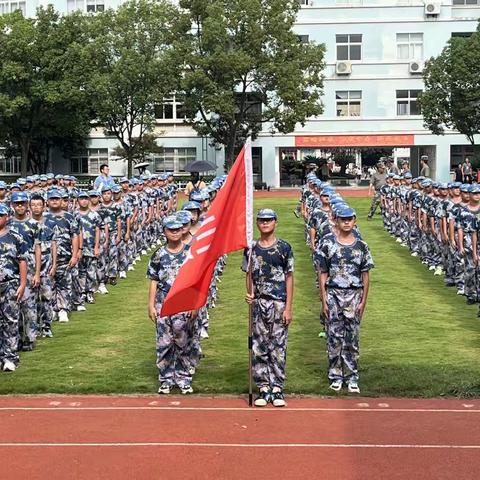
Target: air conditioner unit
column 432, row 9
column 415, row 67
column 343, row 68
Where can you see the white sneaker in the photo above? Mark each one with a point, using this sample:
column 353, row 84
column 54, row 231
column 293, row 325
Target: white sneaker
column 191, row 371
column 164, row 389
column 414, row 254
column 204, row 333
column 102, row 289
column 138, row 258
column 336, row 385
column 186, row 390
column 62, row 316
column 438, row 271
column 144, row 252
column 81, row 308
column 123, row 275
column 353, row 387
column 9, row 366
column 432, row 268
column 399, row 240
column 460, row 291
column 131, row 268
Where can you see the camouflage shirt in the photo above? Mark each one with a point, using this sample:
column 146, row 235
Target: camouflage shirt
column 65, row 227
column 343, row 263
column 13, row 248
column 89, row 222
column 270, row 267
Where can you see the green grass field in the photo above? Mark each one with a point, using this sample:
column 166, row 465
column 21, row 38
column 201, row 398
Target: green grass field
column 418, row 338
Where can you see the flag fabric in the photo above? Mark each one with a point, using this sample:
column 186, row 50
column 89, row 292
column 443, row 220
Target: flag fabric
column 226, row 227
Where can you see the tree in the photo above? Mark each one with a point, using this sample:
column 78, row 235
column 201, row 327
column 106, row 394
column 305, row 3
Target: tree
column 142, row 149
column 452, row 88
column 43, row 70
column 245, row 67
column 135, row 50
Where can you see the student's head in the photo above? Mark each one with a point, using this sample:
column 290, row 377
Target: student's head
column 424, row 159
column 20, row 203
column 172, row 228
column 83, row 200
column 380, row 167
column 94, row 197
column 124, row 184
column 194, row 209
column 4, row 216
column 266, row 220
column 346, row 220
column 54, row 200
column 104, row 169
column 475, row 194
column 106, row 195
column 37, row 205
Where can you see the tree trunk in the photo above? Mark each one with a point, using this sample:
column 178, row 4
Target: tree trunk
column 129, row 165
column 25, row 147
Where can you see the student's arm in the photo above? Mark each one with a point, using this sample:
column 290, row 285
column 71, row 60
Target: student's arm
column 54, row 249
column 322, row 280
column 75, row 250
column 287, row 314
column 119, row 230
column 105, row 243
column 96, row 247
column 363, row 302
column 22, row 266
column 152, row 311
column 475, row 246
column 312, row 233
column 460, row 241
column 451, row 231
column 127, row 233
column 38, row 265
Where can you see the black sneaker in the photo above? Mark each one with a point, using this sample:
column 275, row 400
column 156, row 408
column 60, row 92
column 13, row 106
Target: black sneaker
column 296, row 214
column 47, row 333
column 471, row 301
column 278, row 399
column 263, row 399
column 113, row 281
column 27, row 346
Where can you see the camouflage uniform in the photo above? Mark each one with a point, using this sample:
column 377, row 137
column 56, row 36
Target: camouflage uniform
column 65, row 228
column 269, row 269
column 344, row 265
column 173, row 332
column 13, row 249
column 468, row 224
column 110, row 215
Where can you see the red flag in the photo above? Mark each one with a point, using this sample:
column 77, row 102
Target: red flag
column 227, row 227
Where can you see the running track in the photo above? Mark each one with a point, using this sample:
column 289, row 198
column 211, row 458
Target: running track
column 222, row 438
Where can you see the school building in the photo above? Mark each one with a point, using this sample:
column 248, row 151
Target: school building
column 375, row 53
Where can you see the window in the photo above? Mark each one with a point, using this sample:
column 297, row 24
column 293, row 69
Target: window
column 458, row 154
column 10, row 7
column 466, row 2
column 171, row 108
column 349, row 47
column 89, row 161
column 94, row 6
column 348, row 103
column 303, row 38
column 407, row 102
column 410, row 46
column 461, row 34
column 9, row 165
column 74, row 5
column 174, row 159
column 304, row 2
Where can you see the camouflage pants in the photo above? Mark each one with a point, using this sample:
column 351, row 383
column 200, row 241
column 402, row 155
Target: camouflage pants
column 447, row 262
column 414, row 238
column 87, row 277
column 9, row 313
column 173, row 356
column 374, row 205
column 122, row 256
column 269, row 345
column 101, row 267
column 343, row 331
column 44, row 305
column 112, row 258
column 28, row 326
column 470, row 276
column 194, row 346
column 62, row 289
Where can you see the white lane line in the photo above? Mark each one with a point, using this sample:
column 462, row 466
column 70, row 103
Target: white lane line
column 244, row 409
column 242, row 445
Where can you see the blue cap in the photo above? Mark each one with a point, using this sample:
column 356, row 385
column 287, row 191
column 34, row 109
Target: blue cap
column 65, row 194
column 196, row 196
column 267, row 213
column 456, row 185
column 123, row 180
column 163, row 176
column 465, row 187
column 443, row 186
column 54, row 193
column 50, row 176
column 82, row 194
column 3, row 185
column 191, row 206
column 105, row 188
column 59, row 176
column 407, row 175
column 346, row 213
column 4, row 210
column 21, row 181
column 43, row 178
column 426, row 183
column 93, row 193
column 19, row 197
column 184, row 217
column 171, row 222
column 30, row 179
column 116, row 189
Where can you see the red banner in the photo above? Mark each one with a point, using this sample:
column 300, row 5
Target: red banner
column 381, row 140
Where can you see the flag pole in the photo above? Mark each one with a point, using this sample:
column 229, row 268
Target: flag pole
column 250, row 328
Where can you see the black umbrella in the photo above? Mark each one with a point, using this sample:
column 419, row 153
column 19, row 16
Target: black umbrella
column 200, row 166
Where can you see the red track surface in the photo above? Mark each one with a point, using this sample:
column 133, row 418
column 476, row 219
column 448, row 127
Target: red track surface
column 221, row 438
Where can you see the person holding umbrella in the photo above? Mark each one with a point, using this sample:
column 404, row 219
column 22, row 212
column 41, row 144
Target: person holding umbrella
column 195, row 183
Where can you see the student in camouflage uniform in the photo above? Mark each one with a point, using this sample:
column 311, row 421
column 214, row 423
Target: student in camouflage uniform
column 13, row 281
column 173, row 332
column 270, row 286
column 344, row 262
column 376, row 182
